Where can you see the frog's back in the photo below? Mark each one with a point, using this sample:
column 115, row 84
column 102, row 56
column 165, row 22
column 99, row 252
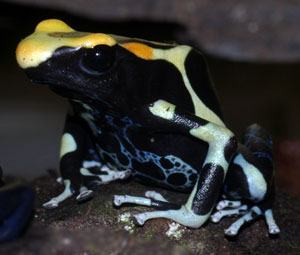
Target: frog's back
column 192, row 69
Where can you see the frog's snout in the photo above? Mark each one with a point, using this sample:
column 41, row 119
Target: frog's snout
column 38, row 47
column 29, row 55
column 50, row 35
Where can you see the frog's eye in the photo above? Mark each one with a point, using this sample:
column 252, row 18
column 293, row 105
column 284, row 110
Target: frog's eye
column 98, row 60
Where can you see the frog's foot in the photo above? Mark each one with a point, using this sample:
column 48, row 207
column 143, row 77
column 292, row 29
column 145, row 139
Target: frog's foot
column 228, row 204
column 103, row 174
column 84, row 194
column 150, row 199
column 272, row 226
column 155, row 195
column 182, row 214
column 236, row 208
column 248, row 215
column 53, row 203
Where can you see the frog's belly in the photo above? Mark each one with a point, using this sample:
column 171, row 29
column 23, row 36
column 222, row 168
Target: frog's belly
column 162, row 161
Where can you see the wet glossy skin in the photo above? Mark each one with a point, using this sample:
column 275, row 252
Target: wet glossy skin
column 148, row 110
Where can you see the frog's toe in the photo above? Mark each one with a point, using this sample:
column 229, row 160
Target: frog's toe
column 249, row 216
column 118, row 200
column 140, row 219
column 122, row 199
column 125, row 174
column 272, row 226
column 235, row 227
column 232, row 230
column 106, row 174
column 228, row 204
column 51, row 204
column 274, row 229
column 216, row 217
column 60, row 180
column 84, row 194
column 155, row 195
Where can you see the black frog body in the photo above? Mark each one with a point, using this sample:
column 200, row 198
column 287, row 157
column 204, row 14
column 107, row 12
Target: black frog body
column 148, row 110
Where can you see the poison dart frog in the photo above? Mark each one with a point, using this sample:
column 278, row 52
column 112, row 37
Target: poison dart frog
column 149, row 110
column 16, row 207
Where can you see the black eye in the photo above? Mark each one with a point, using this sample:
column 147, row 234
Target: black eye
column 98, row 60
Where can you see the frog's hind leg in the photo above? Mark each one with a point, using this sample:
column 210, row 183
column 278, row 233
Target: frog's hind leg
column 222, row 146
column 249, row 212
column 250, row 182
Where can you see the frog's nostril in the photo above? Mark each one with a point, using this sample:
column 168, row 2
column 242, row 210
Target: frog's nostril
column 30, row 54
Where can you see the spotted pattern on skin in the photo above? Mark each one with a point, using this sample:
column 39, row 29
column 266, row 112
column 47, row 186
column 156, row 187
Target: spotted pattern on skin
column 178, row 166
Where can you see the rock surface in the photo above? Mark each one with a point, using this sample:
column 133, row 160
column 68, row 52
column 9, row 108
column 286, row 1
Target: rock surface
column 93, row 228
column 242, row 30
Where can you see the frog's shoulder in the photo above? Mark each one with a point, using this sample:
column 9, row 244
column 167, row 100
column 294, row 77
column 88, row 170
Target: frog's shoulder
column 192, row 67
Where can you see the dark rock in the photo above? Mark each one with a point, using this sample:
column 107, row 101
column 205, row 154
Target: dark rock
column 93, row 228
column 241, row 30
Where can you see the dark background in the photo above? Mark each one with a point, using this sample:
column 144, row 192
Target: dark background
column 255, row 73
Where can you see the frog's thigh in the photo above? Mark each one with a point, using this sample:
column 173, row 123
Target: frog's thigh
column 252, row 187
column 222, row 146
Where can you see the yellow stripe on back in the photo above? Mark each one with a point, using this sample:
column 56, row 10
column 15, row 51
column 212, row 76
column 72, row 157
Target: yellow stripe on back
column 177, row 56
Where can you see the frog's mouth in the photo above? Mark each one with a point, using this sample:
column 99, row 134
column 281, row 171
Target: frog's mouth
column 69, row 89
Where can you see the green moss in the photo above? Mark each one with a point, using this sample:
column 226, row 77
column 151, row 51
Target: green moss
column 149, row 233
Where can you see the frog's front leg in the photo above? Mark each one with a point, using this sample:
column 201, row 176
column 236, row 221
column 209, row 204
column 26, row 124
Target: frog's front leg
column 80, row 165
column 222, row 146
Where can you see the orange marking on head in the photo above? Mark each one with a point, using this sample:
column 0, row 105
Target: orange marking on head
column 139, row 49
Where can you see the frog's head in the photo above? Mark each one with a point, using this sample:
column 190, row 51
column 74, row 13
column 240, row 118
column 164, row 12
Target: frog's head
column 71, row 61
